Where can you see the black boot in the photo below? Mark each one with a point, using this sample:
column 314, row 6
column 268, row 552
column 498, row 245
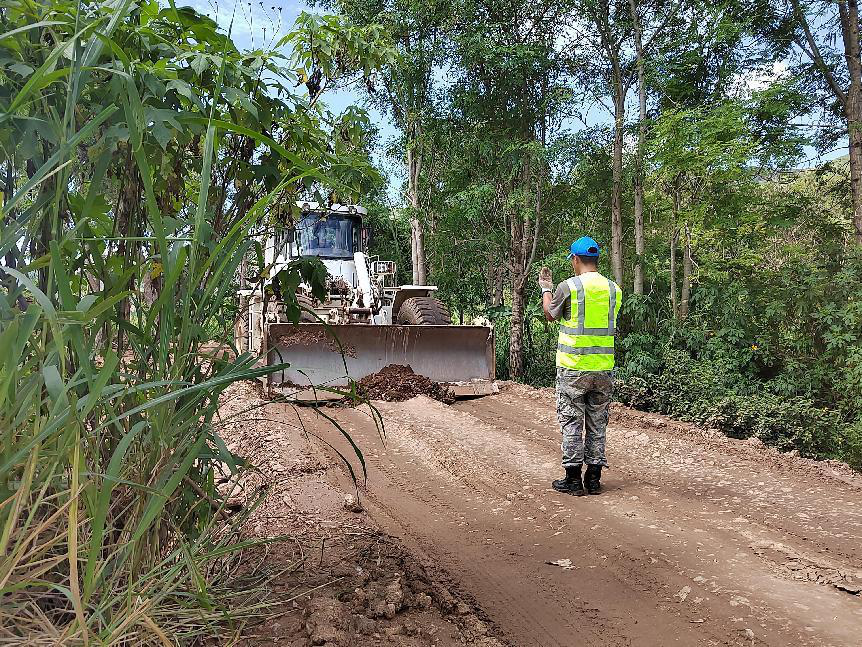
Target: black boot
column 571, row 484
column 592, row 479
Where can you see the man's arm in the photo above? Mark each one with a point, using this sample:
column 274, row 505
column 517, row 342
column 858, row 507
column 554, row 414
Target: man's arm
column 554, row 302
column 556, row 305
column 546, row 305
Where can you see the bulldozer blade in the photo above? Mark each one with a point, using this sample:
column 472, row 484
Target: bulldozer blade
column 333, row 355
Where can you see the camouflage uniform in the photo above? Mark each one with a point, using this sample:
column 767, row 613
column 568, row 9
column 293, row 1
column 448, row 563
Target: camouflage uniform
column 583, row 398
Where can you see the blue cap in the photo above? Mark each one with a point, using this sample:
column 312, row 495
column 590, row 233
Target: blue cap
column 584, row 246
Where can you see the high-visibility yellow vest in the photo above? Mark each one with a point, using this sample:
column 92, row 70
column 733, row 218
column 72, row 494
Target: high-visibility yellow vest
column 586, row 340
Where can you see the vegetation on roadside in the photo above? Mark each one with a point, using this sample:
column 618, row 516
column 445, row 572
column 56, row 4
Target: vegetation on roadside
column 672, row 133
column 140, row 151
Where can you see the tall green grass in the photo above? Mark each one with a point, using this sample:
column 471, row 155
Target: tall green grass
column 112, row 529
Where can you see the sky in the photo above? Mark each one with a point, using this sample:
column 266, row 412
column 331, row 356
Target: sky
column 259, row 24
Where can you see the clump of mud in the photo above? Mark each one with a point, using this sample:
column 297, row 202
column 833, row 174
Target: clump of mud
column 390, row 600
column 396, row 383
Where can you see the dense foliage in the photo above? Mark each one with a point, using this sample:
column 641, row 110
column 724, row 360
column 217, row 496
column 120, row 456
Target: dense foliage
column 741, row 273
column 140, row 153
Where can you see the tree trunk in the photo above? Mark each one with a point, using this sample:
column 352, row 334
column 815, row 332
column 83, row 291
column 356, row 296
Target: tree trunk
column 499, row 281
column 617, row 191
column 523, row 236
column 417, row 243
column 686, row 275
column 516, row 333
column 855, row 126
column 490, row 279
column 417, row 235
column 494, row 282
column 849, row 18
column 517, row 232
column 673, row 300
column 639, row 154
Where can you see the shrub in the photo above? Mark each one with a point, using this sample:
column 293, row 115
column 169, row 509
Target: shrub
column 851, row 444
column 784, row 424
column 112, row 528
column 714, row 390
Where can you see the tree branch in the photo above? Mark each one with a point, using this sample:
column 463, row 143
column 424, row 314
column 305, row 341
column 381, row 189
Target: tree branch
column 815, row 55
column 662, row 26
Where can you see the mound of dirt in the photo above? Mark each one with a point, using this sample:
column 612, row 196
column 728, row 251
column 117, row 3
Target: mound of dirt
column 397, row 383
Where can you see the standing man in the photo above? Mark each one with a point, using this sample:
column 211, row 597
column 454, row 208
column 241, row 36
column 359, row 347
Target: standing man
column 586, row 305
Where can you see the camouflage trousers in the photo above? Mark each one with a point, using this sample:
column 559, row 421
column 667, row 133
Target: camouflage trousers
column 583, row 398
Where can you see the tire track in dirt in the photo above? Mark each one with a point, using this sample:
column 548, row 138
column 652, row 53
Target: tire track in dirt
column 837, row 551
column 657, row 560
column 786, row 503
column 485, row 564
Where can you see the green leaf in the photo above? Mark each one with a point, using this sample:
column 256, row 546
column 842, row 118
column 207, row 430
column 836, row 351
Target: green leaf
column 21, row 69
column 54, row 383
column 35, row 25
column 200, row 64
column 184, row 89
column 163, row 135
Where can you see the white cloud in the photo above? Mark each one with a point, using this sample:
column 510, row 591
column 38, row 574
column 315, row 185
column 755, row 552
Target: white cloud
column 760, row 79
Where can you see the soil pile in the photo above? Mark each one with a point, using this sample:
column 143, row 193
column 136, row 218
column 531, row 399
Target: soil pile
column 397, row 383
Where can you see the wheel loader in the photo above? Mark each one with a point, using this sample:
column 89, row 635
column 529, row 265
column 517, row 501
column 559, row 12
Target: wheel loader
column 366, row 321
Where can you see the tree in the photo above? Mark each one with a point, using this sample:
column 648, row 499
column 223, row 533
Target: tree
column 511, row 90
column 420, row 32
column 609, row 30
column 804, row 31
column 619, row 38
column 650, row 22
column 717, row 152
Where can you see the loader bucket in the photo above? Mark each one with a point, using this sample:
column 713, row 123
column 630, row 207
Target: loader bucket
column 331, row 355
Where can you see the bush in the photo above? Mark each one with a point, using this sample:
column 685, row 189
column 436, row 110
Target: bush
column 113, row 530
column 851, row 444
column 715, row 390
column 784, row 424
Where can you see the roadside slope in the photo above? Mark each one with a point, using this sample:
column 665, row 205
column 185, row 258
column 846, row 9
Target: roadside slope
column 697, row 540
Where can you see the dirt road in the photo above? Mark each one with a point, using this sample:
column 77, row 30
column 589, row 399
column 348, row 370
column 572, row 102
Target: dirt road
column 697, row 539
column 328, row 574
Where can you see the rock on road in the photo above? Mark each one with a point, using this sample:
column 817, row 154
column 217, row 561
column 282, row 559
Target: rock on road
column 696, row 540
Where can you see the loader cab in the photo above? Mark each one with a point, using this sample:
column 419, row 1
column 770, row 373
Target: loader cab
column 333, row 234
column 328, row 235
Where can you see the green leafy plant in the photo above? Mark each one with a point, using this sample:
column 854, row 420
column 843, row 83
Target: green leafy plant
column 141, row 154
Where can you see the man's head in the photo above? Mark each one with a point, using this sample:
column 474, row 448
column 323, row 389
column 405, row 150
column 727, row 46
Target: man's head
column 584, row 254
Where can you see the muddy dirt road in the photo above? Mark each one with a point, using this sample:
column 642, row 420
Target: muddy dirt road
column 697, row 539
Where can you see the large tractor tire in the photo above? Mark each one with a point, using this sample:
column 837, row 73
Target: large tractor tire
column 305, row 304
column 423, row 311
